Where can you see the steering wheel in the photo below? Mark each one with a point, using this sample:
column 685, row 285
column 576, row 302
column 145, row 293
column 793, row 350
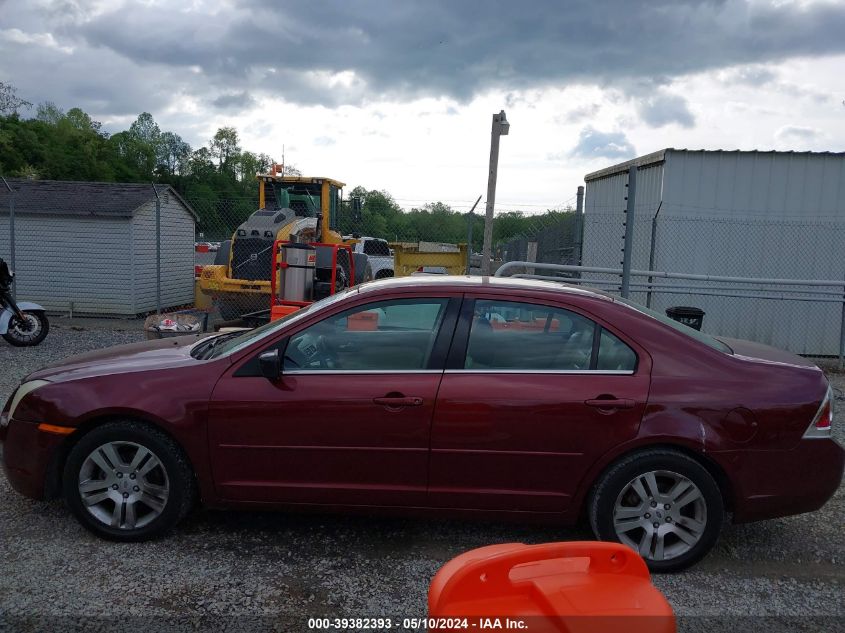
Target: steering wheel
column 311, row 350
column 327, row 359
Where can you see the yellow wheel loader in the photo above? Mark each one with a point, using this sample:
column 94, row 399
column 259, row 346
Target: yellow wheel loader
column 296, row 209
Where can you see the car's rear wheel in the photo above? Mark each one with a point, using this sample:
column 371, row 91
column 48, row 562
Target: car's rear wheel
column 126, row 481
column 661, row 503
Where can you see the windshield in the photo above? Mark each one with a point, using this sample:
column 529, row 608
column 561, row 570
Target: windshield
column 684, row 329
column 236, row 341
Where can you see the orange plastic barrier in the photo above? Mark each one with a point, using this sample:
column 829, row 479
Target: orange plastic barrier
column 362, row 321
column 279, row 311
column 579, row 587
column 537, row 325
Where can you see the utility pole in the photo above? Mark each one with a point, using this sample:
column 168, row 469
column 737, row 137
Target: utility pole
column 500, row 127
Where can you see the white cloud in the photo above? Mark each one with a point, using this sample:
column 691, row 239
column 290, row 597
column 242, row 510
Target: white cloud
column 594, row 144
column 663, row 108
column 408, row 109
column 45, row 40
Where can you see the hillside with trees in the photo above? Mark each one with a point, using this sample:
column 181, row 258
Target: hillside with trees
column 218, row 179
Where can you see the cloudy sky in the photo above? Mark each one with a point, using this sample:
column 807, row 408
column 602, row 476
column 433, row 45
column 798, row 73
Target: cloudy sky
column 399, row 95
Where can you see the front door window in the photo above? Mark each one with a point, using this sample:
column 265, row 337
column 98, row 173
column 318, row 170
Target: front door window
column 384, row 336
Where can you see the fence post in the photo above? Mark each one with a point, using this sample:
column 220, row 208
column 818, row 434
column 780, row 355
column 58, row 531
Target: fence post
column 12, row 235
column 651, row 252
column 579, row 224
column 531, row 256
column 471, row 217
column 842, row 336
column 629, row 231
column 158, row 251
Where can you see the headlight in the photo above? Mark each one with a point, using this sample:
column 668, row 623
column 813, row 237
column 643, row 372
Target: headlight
column 24, row 390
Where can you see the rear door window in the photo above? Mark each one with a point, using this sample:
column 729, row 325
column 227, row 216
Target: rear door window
column 518, row 336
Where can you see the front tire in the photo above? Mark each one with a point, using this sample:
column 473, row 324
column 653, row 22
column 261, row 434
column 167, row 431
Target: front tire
column 126, row 481
column 28, row 332
column 661, row 503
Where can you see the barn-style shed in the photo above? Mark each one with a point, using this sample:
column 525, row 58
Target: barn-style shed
column 90, row 247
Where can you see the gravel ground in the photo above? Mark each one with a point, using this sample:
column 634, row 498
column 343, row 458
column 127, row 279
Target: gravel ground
column 270, row 571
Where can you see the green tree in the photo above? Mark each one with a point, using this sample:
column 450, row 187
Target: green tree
column 225, row 146
column 49, row 112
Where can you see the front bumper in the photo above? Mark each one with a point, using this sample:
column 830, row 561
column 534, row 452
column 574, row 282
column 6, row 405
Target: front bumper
column 27, row 455
column 771, row 484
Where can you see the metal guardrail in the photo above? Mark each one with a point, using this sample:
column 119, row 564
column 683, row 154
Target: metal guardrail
column 795, row 289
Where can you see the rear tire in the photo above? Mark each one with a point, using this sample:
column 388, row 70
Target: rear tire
column 662, row 503
column 123, row 464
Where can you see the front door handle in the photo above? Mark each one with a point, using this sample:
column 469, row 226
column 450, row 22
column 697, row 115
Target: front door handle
column 610, row 403
column 399, row 401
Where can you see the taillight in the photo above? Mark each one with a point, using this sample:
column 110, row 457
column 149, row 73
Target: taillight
column 826, row 418
column 823, row 420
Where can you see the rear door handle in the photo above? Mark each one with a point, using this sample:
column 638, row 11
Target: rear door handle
column 610, row 403
column 399, row 401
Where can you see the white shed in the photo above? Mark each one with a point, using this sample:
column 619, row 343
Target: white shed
column 91, row 247
column 731, row 213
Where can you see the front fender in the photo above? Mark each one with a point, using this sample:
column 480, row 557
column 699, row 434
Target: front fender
column 6, row 314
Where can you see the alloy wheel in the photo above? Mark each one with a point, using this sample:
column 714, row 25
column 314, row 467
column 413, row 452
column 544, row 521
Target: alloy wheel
column 660, row 514
column 123, row 485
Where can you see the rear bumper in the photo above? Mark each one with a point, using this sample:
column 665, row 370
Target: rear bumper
column 770, row 484
column 27, row 454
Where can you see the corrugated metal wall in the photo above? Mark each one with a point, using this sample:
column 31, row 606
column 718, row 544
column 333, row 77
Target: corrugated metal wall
column 63, row 259
column 755, row 185
column 177, row 255
column 749, row 214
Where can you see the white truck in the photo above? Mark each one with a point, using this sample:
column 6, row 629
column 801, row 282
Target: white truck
column 379, row 252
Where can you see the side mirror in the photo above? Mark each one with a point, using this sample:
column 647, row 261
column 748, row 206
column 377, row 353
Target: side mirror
column 271, row 364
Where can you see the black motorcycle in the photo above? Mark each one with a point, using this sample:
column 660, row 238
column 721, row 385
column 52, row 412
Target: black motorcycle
column 21, row 324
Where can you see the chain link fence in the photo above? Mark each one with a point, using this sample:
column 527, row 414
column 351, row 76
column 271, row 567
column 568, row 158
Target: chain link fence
column 122, row 250
column 551, row 239
column 785, row 260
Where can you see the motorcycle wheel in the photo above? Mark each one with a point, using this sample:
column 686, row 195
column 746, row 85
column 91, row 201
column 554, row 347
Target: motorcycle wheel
column 29, row 331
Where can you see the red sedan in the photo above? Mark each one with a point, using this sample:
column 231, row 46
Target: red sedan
column 470, row 396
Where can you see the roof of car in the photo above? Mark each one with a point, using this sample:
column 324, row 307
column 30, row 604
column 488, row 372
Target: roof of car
column 467, row 282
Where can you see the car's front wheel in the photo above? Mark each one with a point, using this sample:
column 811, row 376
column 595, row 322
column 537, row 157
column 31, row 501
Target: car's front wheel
column 126, row 481
column 661, row 503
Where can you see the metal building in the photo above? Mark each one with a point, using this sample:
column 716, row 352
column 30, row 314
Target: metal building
column 90, row 248
column 733, row 213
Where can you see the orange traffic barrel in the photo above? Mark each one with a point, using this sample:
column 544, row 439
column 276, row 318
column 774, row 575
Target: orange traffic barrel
column 578, row 587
